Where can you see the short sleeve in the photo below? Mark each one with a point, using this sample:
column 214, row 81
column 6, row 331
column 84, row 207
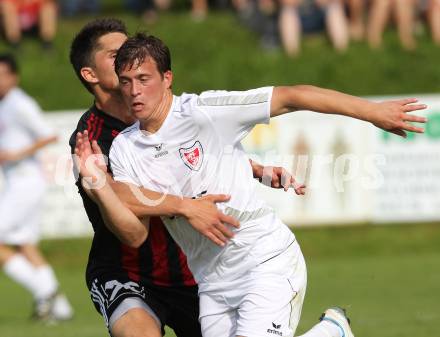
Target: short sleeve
column 31, row 117
column 120, row 164
column 235, row 113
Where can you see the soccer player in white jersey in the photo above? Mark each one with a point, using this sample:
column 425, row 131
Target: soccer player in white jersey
column 190, row 145
column 22, row 133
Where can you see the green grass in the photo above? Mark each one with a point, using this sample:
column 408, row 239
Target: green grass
column 386, row 276
column 221, row 54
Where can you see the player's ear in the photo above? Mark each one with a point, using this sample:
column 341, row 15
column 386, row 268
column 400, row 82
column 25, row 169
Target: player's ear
column 168, row 78
column 88, row 74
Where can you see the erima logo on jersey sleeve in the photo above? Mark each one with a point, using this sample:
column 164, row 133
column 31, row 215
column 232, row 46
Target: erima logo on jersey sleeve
column 192, row 156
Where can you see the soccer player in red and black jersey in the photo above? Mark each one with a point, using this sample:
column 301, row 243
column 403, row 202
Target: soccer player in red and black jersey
column 138, row 277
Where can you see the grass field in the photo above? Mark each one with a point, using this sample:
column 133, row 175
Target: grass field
column 221, row 54
column 387, row 277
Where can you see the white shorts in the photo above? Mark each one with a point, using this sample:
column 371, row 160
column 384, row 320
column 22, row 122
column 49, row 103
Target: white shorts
column 20, row 211
column 267, row 303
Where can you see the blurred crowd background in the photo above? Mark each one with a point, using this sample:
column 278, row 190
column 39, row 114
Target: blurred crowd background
column 277, row 22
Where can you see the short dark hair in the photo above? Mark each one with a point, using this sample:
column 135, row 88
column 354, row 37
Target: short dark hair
column 85, row 43
column 138, row 48
column 10, row 61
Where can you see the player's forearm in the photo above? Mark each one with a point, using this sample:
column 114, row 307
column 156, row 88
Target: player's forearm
column 144, row 203
column 39, row 144
column 119, row 219
column 305, row 97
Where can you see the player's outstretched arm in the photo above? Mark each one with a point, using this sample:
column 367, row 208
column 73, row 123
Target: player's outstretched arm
column 14, row 156
column 393, row 116
column 119, row 219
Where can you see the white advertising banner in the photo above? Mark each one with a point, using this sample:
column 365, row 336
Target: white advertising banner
column 411, row 186
column 354, row 172
column 63, row 215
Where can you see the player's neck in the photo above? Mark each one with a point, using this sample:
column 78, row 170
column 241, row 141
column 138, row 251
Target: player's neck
column 113, row 105
column 154, row 122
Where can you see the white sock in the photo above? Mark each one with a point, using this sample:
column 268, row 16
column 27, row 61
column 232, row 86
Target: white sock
column 19, row 269
column 324, row 329
column 47, row 282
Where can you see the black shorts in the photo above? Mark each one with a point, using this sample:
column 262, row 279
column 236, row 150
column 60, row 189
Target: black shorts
column 176, row 307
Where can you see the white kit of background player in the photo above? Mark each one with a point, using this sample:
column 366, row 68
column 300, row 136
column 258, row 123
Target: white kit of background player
column 22, row 133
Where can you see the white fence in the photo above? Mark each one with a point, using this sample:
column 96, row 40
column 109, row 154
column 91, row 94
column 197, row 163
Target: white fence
column 354, row 172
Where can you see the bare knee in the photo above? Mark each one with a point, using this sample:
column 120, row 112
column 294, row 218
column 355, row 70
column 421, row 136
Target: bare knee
column 136, row 323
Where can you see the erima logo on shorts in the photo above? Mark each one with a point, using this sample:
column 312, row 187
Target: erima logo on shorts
column 275, row 329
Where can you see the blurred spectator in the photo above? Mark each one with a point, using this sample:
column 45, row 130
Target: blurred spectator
column 404, row 14
column 433, row 16
column 260, row 16
column 356, row 11
column 27, row 16
column 74, row 7
column 199, row 9
column 22, row 133
column 290, row 24
column 148, row 8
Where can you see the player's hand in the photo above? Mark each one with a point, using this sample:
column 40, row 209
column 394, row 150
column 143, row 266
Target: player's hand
column 89, row 160
column 279, row 177
column 208, row 220
column 395, row 117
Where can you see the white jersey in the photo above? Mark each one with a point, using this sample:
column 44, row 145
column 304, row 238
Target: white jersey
column 21, row 124
column 197, row 151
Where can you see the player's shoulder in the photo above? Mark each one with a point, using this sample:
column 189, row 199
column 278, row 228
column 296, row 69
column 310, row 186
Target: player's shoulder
column 129, row 131
column 235, row 97
column 22, row 101
column 126, row 136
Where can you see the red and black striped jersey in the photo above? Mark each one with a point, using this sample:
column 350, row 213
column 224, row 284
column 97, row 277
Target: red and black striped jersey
column 159, row 261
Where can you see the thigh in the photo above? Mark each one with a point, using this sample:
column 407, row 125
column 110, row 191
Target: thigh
column 270, row 308
column 224, row 324
column 134, row 320
column 274, row 297
column 115, row 297
column 183, row 311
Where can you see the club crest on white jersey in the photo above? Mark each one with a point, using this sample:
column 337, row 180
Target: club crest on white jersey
column 192, row 156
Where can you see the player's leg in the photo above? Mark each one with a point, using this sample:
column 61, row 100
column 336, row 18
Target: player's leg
column 18, row 269
column 127, row 307
column 24, row 233
column 12, row 234
column 274, row 296
column 50, row 303
column 182, row 310
column 405, row 17
column 136, row 322
column 217, row 316
column 216, row 325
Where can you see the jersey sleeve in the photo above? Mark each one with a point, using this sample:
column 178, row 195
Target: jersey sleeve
column 234, row 113
column 120, row 165
column 31, row 117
